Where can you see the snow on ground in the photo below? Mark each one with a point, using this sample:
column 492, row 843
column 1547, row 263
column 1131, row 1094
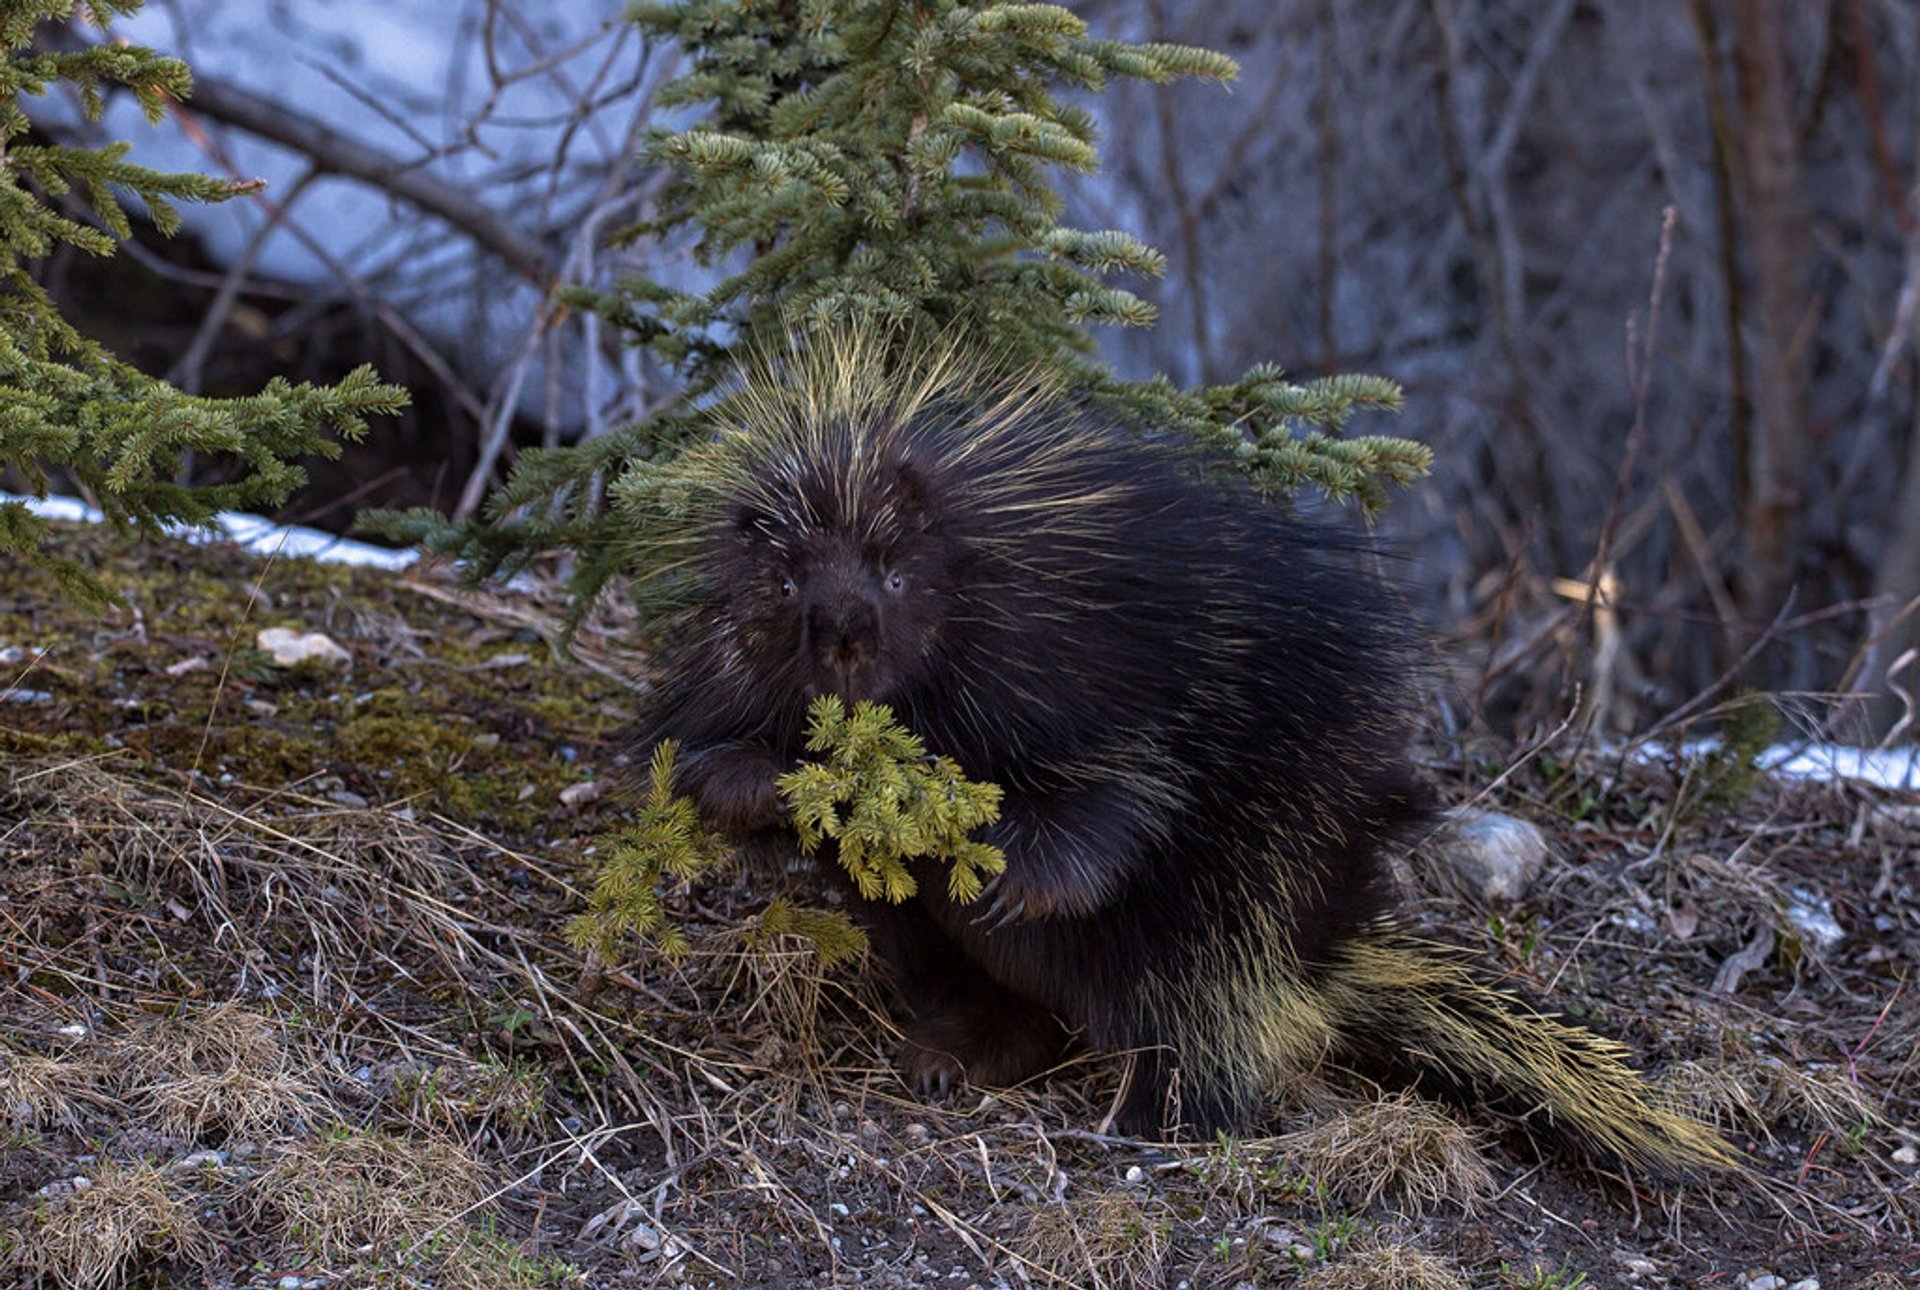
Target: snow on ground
column 254, row 533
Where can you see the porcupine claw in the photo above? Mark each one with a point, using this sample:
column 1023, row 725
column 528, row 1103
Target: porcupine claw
column 1002, row 910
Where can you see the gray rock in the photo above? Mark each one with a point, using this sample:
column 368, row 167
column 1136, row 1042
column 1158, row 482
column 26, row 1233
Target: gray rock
column 1497, row 856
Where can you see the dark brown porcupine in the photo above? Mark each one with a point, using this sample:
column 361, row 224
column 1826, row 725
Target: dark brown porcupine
column 1197, row 708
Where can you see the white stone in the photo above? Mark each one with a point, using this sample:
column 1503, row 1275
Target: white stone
column 289, row 647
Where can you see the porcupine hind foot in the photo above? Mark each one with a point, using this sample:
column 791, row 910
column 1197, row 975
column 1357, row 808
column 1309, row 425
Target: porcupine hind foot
column 965, row 1027
column 986, row 1040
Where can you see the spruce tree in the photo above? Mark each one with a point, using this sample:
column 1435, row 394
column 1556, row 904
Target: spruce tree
column 891, row 160
column 66, row 404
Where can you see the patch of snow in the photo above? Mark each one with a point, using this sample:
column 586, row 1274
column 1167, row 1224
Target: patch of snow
column 254, row 533
column 1891, row 768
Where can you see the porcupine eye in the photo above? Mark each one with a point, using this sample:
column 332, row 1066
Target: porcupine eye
column 895, row 583
column 787, row 589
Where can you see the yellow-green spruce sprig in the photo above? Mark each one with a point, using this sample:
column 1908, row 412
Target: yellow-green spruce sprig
column 884, row 801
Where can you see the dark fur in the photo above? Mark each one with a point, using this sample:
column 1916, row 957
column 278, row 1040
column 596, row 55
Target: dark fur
column 1197, row 709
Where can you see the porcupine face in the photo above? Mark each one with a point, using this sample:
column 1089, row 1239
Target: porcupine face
column 837, row 577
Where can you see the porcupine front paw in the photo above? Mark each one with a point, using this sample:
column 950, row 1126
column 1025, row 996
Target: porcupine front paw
column 989, row 1044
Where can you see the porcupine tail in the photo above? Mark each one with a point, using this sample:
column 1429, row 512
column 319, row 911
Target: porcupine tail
column 1412, row 1011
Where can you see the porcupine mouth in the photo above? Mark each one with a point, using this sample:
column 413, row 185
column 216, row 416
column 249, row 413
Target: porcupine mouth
column 853, row 684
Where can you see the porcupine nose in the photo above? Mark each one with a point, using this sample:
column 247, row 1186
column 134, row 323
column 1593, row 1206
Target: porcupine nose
column 844, row 634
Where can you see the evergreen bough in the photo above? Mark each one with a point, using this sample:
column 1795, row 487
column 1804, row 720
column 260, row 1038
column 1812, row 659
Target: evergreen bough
column 883, row 800
column 875, row 793
column 891, row 160
column 65, row 403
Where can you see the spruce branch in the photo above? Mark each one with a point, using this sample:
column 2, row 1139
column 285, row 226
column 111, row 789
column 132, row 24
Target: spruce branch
column 883, row 800
column 67, row 406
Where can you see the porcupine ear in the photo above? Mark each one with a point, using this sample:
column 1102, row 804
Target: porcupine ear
column 746, row 520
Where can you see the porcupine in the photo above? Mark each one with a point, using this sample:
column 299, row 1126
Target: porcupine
column 1198, row 710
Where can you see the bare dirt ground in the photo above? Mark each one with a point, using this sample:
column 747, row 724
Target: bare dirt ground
column 285, row 1001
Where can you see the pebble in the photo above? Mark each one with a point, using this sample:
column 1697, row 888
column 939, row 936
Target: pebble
column 581, row 794
column 1764, row 1281
column 1498, row 855
column 290, row 648
column 1906, row 1156
column 26, row 696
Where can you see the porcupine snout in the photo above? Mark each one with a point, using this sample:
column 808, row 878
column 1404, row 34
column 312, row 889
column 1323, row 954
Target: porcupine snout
column 843, row 631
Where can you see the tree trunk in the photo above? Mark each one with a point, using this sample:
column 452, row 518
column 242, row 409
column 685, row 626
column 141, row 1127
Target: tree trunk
column 1895, row 627
column 1778, row 244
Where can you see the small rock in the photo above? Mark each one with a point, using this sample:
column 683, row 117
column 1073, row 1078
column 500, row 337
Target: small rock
column 11, row 655
column 198, row 663
column 197, row 1160
column 347, row 797
column 25, row 696
column 581, row 794
column 1764, row 1281
column 1497, row 855
column 507, row 660
column 261, row 708
column 1136, row 1174
column 1811, row 1283
column 290, row 648
column 1906, row 1156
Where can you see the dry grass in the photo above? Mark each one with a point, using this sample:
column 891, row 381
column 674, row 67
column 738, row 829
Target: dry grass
column 352, row 1195
column 220, row 1072
column 1117, row 1239
column 461, row 1097
column 39, row 1092
column 1756, row 1094
column 1402, row 1146
column 123, row 1221
column 1386, row 1267
column 344, row 884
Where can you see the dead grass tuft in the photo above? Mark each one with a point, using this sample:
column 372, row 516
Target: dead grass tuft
column 1386, row 1267
column 1116, row 1239
column 349, row 1193
column 103, row 1233
column 1404, row 1145
column 1756, row 1094
column 39, row 1092
column 222, row 1070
